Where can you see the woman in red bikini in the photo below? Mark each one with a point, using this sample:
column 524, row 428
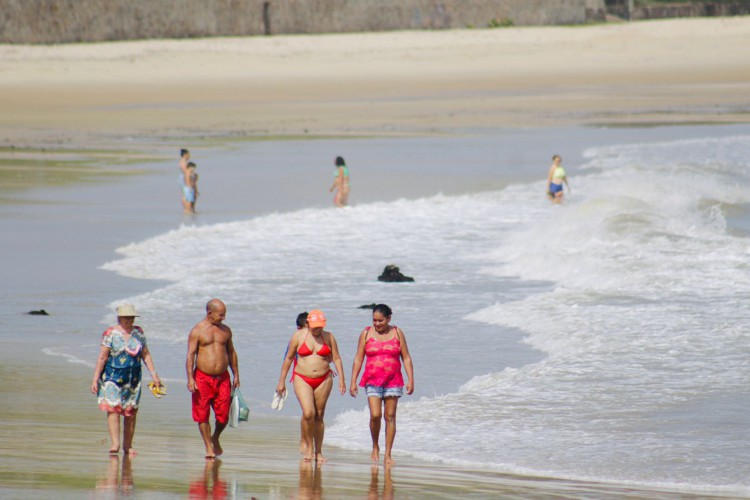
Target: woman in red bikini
column 385, row 347
column 313, row 379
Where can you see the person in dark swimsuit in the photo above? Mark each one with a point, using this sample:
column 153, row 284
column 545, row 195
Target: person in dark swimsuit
column 314, row 350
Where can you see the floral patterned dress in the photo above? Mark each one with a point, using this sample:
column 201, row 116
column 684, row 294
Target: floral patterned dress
column 120, row 382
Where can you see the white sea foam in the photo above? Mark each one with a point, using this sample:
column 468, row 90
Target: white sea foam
column 50, row 351
column 633, row 291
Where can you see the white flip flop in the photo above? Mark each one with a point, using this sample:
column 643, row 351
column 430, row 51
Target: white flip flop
column 281, row 401
column 276, row 401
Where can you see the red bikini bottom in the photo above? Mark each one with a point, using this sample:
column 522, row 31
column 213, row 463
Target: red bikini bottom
column 312, row 382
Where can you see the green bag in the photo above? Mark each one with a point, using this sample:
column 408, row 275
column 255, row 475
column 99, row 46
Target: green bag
column 238, row 411
column 244, row 413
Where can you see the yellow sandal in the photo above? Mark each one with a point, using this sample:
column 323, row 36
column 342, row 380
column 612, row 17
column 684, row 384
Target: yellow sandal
column 157, row 390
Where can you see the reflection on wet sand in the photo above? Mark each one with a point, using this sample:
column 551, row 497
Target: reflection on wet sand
column 310, row 481
column 113, row 481
column 210, row 484
column 373, row 494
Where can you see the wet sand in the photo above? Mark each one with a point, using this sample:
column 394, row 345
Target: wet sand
column 54, row 444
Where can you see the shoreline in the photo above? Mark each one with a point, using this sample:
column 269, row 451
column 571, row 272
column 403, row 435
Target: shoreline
column 81, row 112
column 99, row 102
column 75, row 112
column 69, row 456
column 261, row 456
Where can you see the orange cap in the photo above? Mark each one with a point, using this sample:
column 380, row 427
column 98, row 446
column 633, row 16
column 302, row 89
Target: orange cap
column 316, row 318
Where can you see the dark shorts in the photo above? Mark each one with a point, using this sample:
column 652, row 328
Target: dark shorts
column 211, row 392
column 555, row 188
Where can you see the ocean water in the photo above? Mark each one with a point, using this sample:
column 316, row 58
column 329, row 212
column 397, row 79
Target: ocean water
column 643, row 326
column 604, row 340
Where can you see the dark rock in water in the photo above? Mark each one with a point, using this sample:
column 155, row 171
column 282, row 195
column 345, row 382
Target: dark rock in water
column 40, row 312
column 368, row 306
column 391, row 274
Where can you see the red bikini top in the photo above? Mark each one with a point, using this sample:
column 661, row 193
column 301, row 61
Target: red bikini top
column 305, row 351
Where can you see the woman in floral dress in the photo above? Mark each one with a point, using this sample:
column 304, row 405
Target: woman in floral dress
column 117, row 376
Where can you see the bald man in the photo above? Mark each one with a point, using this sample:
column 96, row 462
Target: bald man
column 209, row 355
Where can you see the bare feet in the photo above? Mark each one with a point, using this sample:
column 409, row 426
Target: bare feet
column 320, row 458
column 217, row 447
column 375, row 455
column 114, row 448
column 210, row 451
column 130, row 452
column 388, row 460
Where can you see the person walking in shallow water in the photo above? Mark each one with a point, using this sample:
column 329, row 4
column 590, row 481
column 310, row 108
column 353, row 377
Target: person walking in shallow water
column 314, row 349
column 192, row 192
column 185, row 180
column 210, row 354
column 340, row 183
column 555, row 179
column 117, row 377
column 385, row 347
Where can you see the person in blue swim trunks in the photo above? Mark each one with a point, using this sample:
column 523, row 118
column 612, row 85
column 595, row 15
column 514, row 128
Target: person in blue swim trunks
column 190, row 191
column 555, row 179
column 185, row 180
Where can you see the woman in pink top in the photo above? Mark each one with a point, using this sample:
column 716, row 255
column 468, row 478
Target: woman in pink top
column 385, row 347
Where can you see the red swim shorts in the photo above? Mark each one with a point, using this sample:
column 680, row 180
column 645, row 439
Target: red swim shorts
column 211, row 391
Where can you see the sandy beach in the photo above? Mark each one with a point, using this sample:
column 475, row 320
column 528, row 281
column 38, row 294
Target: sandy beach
column 671, row 71
column 109, row 112
column 86, row 110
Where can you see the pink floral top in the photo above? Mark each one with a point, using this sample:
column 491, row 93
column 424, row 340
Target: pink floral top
column 383, row 366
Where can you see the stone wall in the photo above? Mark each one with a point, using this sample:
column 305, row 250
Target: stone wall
column 668, row 10
column 59, row 21
column 702, row 9
column 595, row 10
column 56, row 21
